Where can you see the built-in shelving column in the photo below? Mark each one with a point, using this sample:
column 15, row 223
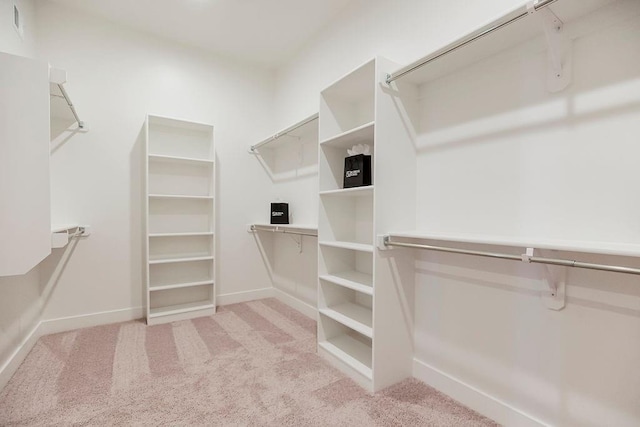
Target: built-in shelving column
column 345, row 229
column 365, row 296
column 181, row 228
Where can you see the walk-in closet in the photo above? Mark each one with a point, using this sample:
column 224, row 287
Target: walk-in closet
column 318, row 213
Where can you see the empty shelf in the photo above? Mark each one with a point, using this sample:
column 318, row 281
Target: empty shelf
column 189, row 234
column 166, row 260
column 362, row 247
column 355, row 280
column 180, row 285
column 179, row 196
column 180, row 308
column 179, row 159
column 349, row 350
column 361, row 134
column 351, row 315
column 363, row 191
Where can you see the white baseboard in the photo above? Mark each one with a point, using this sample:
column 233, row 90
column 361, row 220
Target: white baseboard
column 63, row 324
column 297, row 304
column 476, row 399
column 237, row 297
column 15, row 360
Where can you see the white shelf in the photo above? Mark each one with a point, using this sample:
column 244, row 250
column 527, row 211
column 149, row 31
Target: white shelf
column 351, row 315
column 361, row 134
column 519, row 32
column 178, row 159
column 168, row 260
column 355, row 280
column 605, row 248
column 363, row 191
column 179, row 196
column 350, row 351
column 180, row 308
column 362, row 247
column 180, row 285
column 59, row 228
column 304, row 127
column 189, row 234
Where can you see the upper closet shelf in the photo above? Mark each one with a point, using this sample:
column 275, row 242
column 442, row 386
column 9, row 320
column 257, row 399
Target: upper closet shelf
column 566, row 19
column 62, row 233
column 298, row 130
column 61, row 105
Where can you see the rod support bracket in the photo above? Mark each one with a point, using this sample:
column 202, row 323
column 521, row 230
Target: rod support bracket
column 559, row 51
column 555, row 276
column 382, row 241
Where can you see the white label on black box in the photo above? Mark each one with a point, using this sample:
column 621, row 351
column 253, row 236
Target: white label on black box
column 351, row 174
column 277, row 213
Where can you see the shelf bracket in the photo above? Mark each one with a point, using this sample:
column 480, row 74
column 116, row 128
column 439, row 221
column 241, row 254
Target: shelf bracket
column 381, row 242
column 555, row 276
column 60, row 239
column 559, row 51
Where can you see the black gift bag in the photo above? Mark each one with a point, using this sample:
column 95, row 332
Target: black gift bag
column 279, row 213
column 357, row 171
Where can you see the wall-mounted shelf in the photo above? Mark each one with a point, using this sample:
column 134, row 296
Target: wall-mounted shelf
column 304, row 127
column 603, row 248
column 61, row 234
column 61, row 105
column 304, row 230
column 519, row 26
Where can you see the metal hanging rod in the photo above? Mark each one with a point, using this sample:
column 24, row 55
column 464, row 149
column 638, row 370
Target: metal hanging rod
column 284, row 132
column 71, row 107
column 537, row 5
column 523, row 258
column 276, row 229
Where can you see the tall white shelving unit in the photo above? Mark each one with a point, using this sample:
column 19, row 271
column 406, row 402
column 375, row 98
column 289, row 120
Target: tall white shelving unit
column 180, row 210
column 364, row 326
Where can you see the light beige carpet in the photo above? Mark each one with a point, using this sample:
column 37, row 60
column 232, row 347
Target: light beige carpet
column 250, row 364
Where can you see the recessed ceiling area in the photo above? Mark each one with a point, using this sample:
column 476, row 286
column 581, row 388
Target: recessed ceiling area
column 264, row 32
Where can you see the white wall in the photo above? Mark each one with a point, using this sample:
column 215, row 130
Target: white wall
column 479, row 323
column 19, row 295
column 401, row 31
column 116, row 76
column 10, row 41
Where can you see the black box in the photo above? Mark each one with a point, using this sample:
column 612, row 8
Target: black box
column 279, row 213
column 357, row 171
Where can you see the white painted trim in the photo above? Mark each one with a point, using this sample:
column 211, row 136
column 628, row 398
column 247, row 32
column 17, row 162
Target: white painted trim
column 63, row 324
column 237, row 297
column 17, row 357
column 297, row 304
column 489, row 406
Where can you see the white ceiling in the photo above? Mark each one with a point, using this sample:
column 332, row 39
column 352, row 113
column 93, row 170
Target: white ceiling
column 260, row 31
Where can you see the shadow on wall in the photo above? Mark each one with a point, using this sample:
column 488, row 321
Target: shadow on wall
column 138, row 222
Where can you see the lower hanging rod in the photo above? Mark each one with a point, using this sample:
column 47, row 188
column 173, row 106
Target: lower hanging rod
column 531, row 259
column 284, row 132
column 283, row 231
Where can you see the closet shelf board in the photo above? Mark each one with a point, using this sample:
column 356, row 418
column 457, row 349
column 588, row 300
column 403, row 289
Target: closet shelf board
column 351, row 315
column 355, row 280
column 350, row 351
